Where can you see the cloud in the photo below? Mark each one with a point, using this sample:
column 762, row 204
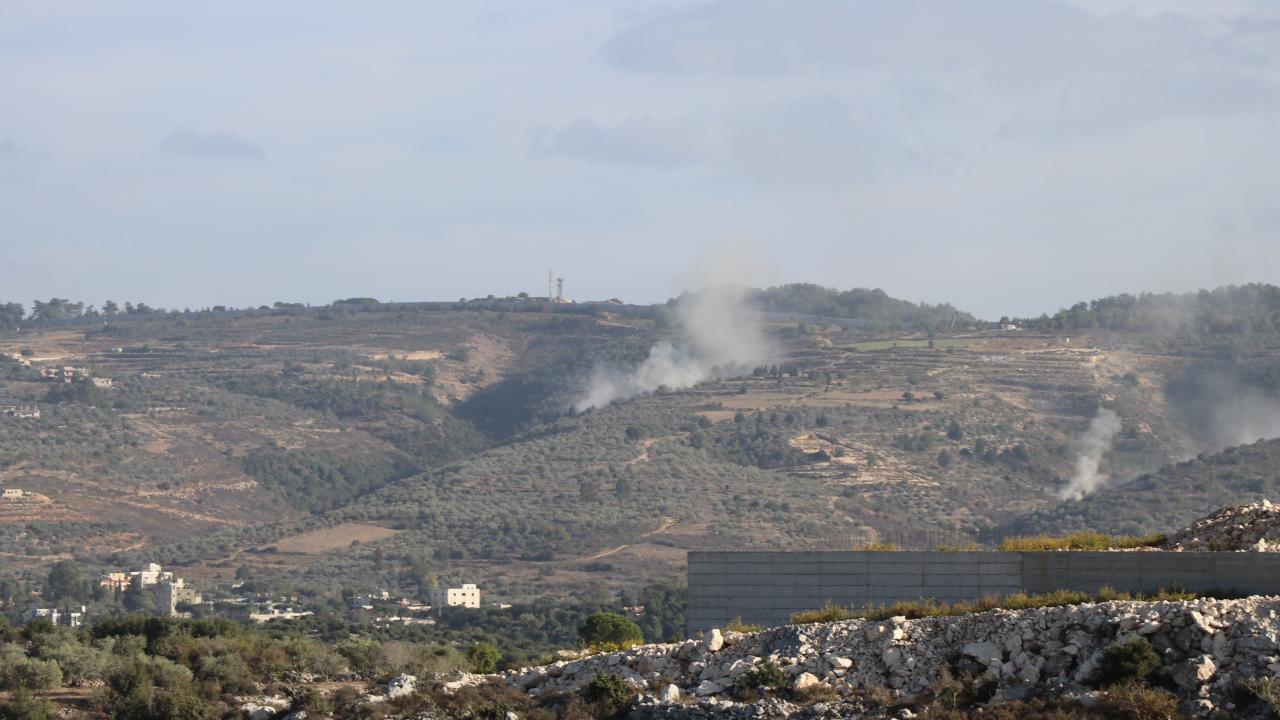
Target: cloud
column 214, row 145
column 795, row 140
column 641, row 143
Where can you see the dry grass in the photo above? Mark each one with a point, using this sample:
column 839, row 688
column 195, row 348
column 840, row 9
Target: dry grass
column 915, row 609
column 337, row 537
column 1078, row 541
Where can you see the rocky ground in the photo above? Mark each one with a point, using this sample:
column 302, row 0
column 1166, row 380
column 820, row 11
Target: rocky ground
column 1207, row 647
column 1254, row 527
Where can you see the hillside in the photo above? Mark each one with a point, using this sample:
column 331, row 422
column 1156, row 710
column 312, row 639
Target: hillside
column 1173, row 496
column 346, row 448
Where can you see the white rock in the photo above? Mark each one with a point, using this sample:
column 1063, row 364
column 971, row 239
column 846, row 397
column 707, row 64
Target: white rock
column 984, row 652
column 670, row 693
column 1194, row 672
column 805, row 680
column 401, row 685
column 714, row 640
column 708, row 688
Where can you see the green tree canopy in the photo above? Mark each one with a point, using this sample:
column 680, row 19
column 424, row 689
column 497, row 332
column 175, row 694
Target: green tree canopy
column 607, row 627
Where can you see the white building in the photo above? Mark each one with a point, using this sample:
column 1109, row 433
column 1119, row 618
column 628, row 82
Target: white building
column 73, row 618
column 169, row 595
column 11, row 494
column 467, row 596
column 153, row 574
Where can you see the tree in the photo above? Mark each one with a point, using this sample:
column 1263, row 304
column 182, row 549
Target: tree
column 65, row 582
column 483, row 658
column 954, row 432
column 110, row 308
column 55, row 309
column 607, row 627
column 11, row 315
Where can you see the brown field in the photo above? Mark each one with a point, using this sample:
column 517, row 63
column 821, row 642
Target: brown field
column 335, row 538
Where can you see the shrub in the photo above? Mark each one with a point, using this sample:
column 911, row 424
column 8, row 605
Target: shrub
column 483, row 658
column 1266, row 689
column 311, row 701
column 1127, row 661
column 22, row 705
column 610, row 690
column 764, row 675
column 1134, row 700
column 829, row 613
column 736, row 625
column 607, row 627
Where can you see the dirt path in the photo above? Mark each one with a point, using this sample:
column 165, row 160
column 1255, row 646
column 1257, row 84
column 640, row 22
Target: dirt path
column 667, row 524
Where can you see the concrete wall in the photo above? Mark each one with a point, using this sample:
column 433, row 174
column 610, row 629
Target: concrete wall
column 765, row 588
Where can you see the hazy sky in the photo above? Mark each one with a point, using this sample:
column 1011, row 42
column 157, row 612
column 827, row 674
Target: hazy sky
column 1009, row 156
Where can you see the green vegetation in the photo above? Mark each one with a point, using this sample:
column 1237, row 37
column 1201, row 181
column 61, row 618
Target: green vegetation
column 483, row 658
column 609, row 690
column 873, row 309
column 767, row 674
column 1127, row 661
column 606, row 628
column 316, row 480
column 1253, row 308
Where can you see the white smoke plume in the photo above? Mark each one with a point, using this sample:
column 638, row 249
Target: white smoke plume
column 722, row 337
column 1103, row 428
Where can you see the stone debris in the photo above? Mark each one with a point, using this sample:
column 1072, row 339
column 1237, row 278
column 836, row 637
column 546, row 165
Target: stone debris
column 401, row 685
column 1207, row 645
column 1241, row 528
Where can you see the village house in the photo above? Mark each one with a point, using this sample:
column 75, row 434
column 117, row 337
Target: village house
column 74, row 618
column 171, row 594
column 27, row 412
column 152, row 575
column 11, row 494
column 467, row 596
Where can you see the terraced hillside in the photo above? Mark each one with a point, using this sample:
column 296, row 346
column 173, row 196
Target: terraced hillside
column 388, row 448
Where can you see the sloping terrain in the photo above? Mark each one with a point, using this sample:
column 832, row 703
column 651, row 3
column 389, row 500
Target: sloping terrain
column 450, row 430
column 1173, row 496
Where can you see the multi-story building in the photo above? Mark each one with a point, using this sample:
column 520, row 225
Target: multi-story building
column 466, row 596
column 169, row 595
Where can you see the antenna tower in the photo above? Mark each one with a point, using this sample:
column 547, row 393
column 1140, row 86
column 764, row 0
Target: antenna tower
column 559, row 289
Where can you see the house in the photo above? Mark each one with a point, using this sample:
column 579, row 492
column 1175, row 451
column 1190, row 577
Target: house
column 28, row 412
column 171, row 594
column 102, row 382
column 74, row 618
column 64, row 374
column 152, row 575
column 467, row 596
column 274, row 613
column 115, row 580
column 11, row 494
column 149, row 576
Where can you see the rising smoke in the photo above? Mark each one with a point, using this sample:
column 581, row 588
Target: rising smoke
column 722, row 337
column 1103, row 428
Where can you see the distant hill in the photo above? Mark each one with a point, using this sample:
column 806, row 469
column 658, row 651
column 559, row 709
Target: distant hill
column 1171, row 497
column 1252, row 308
column 867, row 309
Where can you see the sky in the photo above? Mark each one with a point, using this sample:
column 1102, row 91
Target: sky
column 1008, row 156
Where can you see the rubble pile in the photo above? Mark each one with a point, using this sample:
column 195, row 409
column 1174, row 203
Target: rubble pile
column 1254, row 527
column 1207, row 645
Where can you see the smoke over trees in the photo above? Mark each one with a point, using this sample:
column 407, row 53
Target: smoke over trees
column 722, row 337
column 1096, row 442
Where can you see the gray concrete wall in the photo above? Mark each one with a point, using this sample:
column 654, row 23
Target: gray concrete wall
column 765, row 588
